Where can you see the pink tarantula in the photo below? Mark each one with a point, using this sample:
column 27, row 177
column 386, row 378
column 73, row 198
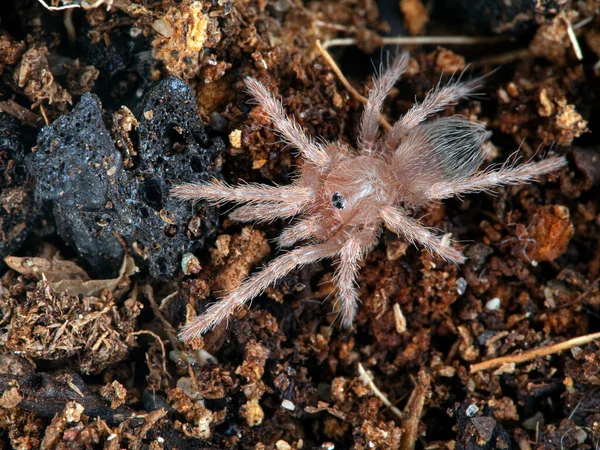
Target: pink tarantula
column 341, row 197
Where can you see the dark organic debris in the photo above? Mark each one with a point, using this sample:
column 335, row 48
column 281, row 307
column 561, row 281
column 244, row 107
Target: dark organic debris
column 499, row 16
column 479, row 430
column 120, row 53
column 122, row 60
column 588, row 161
column 97, row 194
column 67, row 398
column 46, row 395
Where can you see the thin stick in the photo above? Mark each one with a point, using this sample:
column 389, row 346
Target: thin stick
column 168, row 328
column 69, row 27
column 421, row 40
column 57, row 8
column 384, row 123
column 84, row 4
column 583, row 23
column 162, row 347
column 573, row 38
column 414, row 410
column 532, row 354
column 43, row 111
column 325, row 54
column 21, row 113
column 73, row 386
column 579, row 298
column 368, row 381
column 504, row 58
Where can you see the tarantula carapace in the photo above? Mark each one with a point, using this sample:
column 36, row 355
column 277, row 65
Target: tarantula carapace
column 341, row 197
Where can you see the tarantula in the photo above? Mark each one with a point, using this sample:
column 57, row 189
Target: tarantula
column 341, row 197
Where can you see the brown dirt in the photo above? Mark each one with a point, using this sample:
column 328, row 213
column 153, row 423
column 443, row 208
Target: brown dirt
column 95, row 363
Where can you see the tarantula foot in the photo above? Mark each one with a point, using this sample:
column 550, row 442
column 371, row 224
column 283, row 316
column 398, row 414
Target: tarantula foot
column 203, row 323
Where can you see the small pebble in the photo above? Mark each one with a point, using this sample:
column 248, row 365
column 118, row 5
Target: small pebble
column 472, row 410
column 532, row 422
column 282, row 445
column 286, row 404
column 461, row 285
column 190, row 264
column 493, row 304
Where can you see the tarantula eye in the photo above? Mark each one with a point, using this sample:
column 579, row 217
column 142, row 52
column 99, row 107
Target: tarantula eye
column 338, row 201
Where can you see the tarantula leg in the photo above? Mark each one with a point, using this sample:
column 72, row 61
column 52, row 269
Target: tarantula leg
column 346, row 272
column 300, row 231
column 219, row 191
column 398, row 221
column 289, row 129
column 254, row 286
column 265, row 212
column 486, row 180
column 369, row 122
column 435, row 101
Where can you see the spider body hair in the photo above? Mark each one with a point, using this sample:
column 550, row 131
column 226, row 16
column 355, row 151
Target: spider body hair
column 341, row 198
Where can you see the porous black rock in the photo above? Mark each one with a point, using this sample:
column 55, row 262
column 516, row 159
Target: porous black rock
column 97, row 199
column 78, row 169
column 18, row 210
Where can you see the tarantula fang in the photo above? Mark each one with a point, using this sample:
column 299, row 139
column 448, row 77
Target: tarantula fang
column 342, row 197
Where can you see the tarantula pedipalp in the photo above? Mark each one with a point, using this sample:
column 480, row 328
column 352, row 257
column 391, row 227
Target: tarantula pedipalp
column 342, row 197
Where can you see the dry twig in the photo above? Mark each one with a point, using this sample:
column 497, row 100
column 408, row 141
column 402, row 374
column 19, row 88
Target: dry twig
column 58, row 8
column 151, row 419
column 84, row 4
column 21, row 113
column 414, row 410
column 532, row 354
column 421, row 40
column 368, row 381
column 572, row 37
column 167, row 327
column 504, row 58
column 162, row 347
column 357, row 95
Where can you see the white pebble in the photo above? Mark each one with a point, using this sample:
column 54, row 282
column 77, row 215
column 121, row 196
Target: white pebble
column 461, row 286
column 493, row 304
column 472, row 410
column 286, row 404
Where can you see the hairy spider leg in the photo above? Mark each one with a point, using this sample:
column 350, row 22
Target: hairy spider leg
column 288, row 128
column 486, row 180
column 302, row 230
column 217, row 191
column 255, row 285
column 353, row 250
column 266, row 212
column 400, row 222
column 382, row 85
column 436, row 100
